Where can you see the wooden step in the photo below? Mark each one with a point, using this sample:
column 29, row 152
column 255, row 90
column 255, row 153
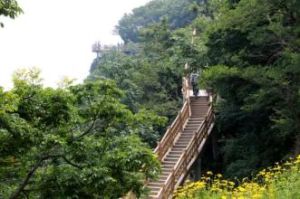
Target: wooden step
column 199, row 98
column 199, row 110
column 184, row 138
column 191, row 127
column 199, row 114
column 173, row 156
column 164, row 177
column 159, row 181
column 175, row 153
column 177, row 149
column 196, row 119
column 195, row 122
column 171, row 159
column 200, row 102
column 155, row 184
column 187, row 134
column 155, row 188
column 168, row 166
column 189, row 131
column 199, row 105
column 168, row 162
column 195, row 116
column 183, row 144
column 186, row 131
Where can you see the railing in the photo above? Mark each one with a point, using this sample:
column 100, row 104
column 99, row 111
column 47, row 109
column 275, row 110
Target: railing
column 188, row 156
column 173, row 131
column 177, row 126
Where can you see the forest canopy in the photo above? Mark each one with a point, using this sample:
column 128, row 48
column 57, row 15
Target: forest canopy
column 248, row 52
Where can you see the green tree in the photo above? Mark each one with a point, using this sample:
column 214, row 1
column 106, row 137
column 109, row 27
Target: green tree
column 78, row 142
column 178, row 12
column 259, row 85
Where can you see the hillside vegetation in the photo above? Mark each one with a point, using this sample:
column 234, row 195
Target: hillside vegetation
column 248, row 52
column 95, row 140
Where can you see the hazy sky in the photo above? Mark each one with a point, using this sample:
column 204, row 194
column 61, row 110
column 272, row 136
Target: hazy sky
column 57, row 35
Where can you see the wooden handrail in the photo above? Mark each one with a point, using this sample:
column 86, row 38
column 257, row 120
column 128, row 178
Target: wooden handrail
column 191, row 152
column 181, row 168
column 173, row 131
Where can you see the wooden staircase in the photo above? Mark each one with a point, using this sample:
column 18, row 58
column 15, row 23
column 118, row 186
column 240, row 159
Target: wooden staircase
column 182, row 143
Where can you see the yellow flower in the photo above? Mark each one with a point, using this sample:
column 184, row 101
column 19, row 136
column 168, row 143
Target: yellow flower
column 209, row 173
column 241, row 189
column 231, row 183
column 219, row 175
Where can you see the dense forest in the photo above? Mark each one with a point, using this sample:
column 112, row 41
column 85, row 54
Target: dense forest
column 249, row 54
column 96, row 139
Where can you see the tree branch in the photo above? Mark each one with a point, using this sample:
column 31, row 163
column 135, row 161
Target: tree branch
column 87, row 131
column 90, row 128
column 30, row 173
column 21, row 187
column 71, row 163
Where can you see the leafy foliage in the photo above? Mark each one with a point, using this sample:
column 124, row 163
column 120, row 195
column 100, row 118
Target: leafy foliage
column 75, row 142
column 9, row 8
column 248, row 52
column 258, row 88
column 150, row 78
column 91, row 140
column 179, row 13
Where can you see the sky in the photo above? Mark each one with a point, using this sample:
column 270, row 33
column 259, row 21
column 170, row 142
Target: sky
column 56, row 36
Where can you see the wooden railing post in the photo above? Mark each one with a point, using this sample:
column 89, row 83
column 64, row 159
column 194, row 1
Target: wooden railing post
column 173, row 180
column 159, row 150
column 181, row 121
column 190, row 109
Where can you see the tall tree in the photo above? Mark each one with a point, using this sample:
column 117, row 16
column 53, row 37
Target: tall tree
column 79, row 142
